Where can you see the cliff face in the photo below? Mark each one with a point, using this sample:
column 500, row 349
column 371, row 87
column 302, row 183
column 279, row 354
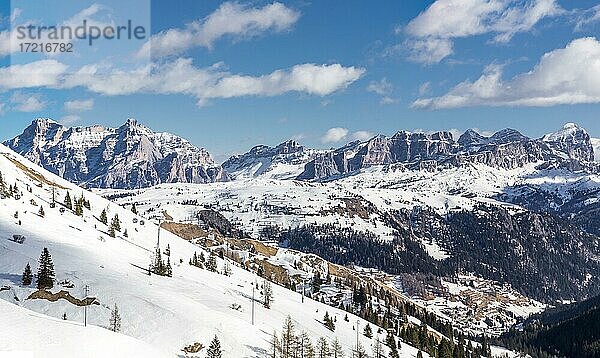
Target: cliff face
column 569, row 148
column 128, row 157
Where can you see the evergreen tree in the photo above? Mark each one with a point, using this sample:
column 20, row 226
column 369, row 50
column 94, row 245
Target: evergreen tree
column 275, row 348
column 116, row 223
column 134, row 209
column 211, row 264
column 41, row 212
column 114, row 324
column 368, row 332
column 377, row 348
column 390, row 341
column 359, row 351
column 125, row 234
column 214, row 350
column 328, row 322
column 287, row 338
column 78, row 207
column 336, row 349
column 45, row 272
column 111, row 232
column 68, row 202
column 323, row 348
column 420, row 354
column 104, row 217
column 267, row 294
column 27, row 277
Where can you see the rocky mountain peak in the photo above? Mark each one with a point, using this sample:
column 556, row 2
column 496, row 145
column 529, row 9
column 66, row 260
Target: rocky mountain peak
column 471, row 138
column 507, row 135
column 572, row 140
column 130, row 156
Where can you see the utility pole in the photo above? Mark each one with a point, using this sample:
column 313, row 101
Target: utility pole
column 158, row 239
column 253, row 304
column 85, row 307
column 357, row 324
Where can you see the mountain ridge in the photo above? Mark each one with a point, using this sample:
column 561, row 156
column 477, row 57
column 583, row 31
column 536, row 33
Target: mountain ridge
column 128, row 157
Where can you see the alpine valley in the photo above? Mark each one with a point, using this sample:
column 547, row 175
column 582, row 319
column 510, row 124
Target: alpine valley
column 410, row 245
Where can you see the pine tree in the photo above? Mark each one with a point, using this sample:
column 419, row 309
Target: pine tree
column 359, row 351
column 134, row 209
column 211, row 264
column 68, row 202
column 377, row 348
column 336, row 349
column 275, row 348
column 168, row 268
column 420, row 354
column 116, row 223
column 214, row 350
column 368, row 332
column 227, row 269
column 78, row 207
column 125, row 234
column 104, row 217
column 287, row 338
column 267, row 294
column 323, row 348
column 41, row 211
column 390, row 341
column 111, row 232
column 27, row 277
column 328, row 322
column 114, row 324
column 45, row 272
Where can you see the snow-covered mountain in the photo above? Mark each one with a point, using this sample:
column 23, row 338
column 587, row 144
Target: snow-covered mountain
column 569, row 148
column 131, row 156
column 162, row 314
column 285, row 161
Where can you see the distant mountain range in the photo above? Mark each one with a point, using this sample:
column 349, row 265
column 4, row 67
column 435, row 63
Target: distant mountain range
column 133, row 156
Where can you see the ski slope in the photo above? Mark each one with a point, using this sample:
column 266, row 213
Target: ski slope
column 30, row 334
column 164, row 313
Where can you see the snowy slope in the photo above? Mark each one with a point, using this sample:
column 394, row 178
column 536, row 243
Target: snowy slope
column 29, row 334
column 596, row 145
column 167, row 313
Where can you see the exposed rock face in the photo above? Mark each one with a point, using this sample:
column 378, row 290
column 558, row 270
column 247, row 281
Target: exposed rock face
column 128, row 157
column 569, row 148
column 283, row 161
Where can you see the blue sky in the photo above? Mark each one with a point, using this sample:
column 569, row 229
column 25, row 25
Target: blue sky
column 230, row 75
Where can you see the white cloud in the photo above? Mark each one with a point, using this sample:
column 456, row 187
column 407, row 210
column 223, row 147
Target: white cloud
column 567, row 75
column 429, row 50
column 34, row 74
column 230, row 19
column 388, row 100
column 334, row 135
column 27, row 102
column 424, row 88
column 588, row 17
column 181, row 77
column 69, row 119
column 309, row 78
column 362, row 135
column 79, row 105
column 338, row 134
column 382, row 87
column 432, row 31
